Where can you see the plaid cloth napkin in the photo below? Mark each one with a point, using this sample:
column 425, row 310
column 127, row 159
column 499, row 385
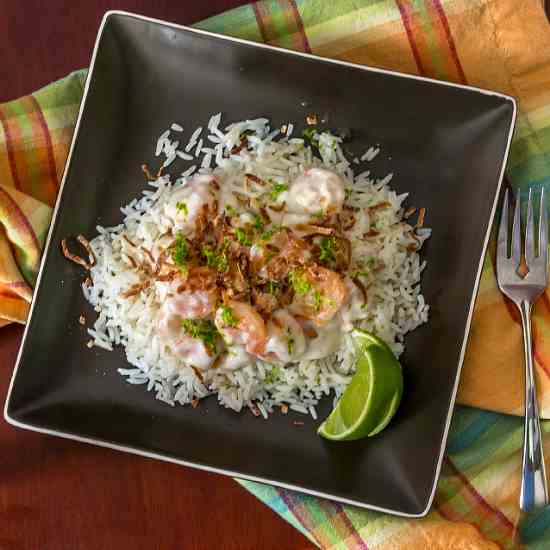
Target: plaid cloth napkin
column 502, row 45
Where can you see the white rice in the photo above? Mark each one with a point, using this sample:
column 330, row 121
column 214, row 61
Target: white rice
column 394, row 306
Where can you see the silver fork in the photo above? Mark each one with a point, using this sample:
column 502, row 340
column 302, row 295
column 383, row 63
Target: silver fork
column 524, row 291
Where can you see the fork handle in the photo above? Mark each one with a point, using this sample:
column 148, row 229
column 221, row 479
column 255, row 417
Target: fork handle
column 534, row 489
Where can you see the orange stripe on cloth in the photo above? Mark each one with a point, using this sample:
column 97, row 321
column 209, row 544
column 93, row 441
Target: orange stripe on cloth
column 20, row 223
column 260, row 11
column 293, row 9
column 51, row 171
column 342, row 524
column 13, row 309
column 479, row 503
column 405, row 11
column 450, row 40
column 10, row 149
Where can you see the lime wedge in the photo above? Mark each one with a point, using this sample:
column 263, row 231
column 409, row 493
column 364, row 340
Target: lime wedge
column 373, row 395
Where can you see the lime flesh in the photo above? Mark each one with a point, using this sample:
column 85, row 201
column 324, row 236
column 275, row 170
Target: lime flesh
column 373, row 395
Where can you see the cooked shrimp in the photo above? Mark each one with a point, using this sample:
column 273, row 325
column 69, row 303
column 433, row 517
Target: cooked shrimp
column 188, row 202
column 320, row 294
column 234, row 358
column 241, row 324
column 316, row 190
column 186, row 305
column 285, row 338
column 191, row 305
column 193, row 352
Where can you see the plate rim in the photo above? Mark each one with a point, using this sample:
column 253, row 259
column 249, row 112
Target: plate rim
column 47, row 244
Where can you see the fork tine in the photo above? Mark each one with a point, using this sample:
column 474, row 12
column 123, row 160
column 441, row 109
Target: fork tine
column 516, row 232
column 543, row 233
column 502, row 243
column 530, row 234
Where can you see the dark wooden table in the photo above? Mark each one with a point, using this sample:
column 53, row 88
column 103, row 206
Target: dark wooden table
column 61, row 495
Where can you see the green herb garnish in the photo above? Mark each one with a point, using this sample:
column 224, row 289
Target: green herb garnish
column 310, row 134
column 318, row 300
column 266, row 235
column 289, row 341
column 180, row 252
column 365, row 267
column 327, row 246
column 215, row 259
column 230, row 211
column 319, row 215
column 272, row 287
column 242, row 237
column 258, row 223
column 277, row 189
column 202, row 329
column 272, row 375
column 228, row 317
column 299, row 282
column 182, row 207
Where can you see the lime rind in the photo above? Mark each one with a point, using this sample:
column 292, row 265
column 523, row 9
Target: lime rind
column 373, row 395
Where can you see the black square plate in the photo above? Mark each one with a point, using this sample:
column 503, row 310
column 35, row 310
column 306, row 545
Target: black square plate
column 448, row 146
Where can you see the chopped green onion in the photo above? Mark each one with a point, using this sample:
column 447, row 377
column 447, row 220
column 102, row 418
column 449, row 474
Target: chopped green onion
column 228, row 317
column 242, row 237
column 180, row 252
column 182, row 207
column 202, row 329
column 277, row 189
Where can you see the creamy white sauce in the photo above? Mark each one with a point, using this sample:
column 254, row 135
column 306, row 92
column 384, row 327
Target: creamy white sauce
column 316, row 190
column 187, row 203
column 193, row 352
column 326, row 342
column 352, row 309
column 235, row 358
column 286, row 341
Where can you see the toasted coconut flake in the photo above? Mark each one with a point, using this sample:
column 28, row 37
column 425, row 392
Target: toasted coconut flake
column 284, row 408
column 73, row 257
column 129, row 241
column 361, row 287
column 348, row 223
column 409, row 212
column 133, row 263
column 244, row 143
column 265, row 215
column 145, row 170
column 167, row 277
column 198, row 373
column 255, row 179
column 245, row 201
column 134, row 290
column 148, row 254
column 309, row 229
column 86, row 244
column 421, row 216
column 254, row 408
column 277, row 207
column 311, row 119
column 380, row 206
